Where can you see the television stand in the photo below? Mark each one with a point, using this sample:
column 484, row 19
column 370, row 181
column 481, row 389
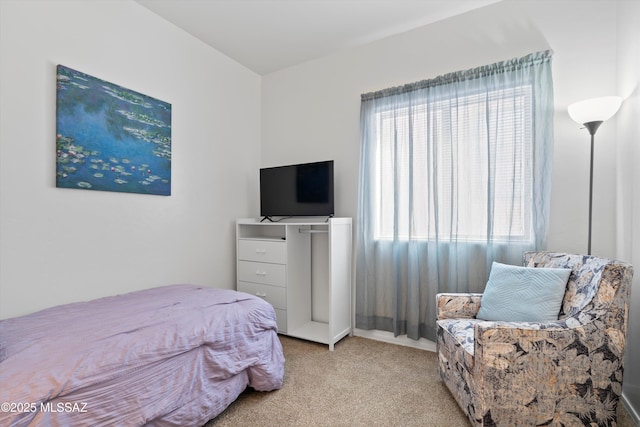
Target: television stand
column 303, row 269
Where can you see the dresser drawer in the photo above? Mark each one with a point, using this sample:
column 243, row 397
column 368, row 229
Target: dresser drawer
column 281, row 320
column 274, row 295
column 262, row 251
column 262, row 272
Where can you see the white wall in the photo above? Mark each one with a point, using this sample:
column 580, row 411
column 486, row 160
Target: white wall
column 628, row 203
column 63, row 245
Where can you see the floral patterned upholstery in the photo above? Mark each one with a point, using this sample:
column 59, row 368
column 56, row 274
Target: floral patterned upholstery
column 562, row 373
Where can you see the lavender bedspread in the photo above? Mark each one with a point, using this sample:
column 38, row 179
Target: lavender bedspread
column 170, row 356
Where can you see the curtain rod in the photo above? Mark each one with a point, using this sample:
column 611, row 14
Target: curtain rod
column 459, row 76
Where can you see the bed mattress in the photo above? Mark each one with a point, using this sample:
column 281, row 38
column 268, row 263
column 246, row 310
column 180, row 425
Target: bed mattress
column 170, row 356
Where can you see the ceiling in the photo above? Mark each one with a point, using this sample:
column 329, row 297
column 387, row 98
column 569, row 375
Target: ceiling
column 269, row 35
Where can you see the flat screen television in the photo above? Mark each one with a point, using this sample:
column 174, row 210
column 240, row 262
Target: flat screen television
column 297, row 190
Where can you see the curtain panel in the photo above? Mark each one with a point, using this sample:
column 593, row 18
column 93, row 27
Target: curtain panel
column 454, row 174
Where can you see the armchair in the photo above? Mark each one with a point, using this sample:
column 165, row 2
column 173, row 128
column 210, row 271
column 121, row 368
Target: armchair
column 560, row 373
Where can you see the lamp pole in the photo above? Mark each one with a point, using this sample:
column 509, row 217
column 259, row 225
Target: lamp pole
column 591, row 113
column 592, row 127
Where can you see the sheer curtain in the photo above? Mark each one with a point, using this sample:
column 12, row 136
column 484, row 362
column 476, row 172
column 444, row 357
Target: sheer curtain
column 454, row 174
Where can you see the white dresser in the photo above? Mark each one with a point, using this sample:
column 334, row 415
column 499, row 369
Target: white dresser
column 303, row 269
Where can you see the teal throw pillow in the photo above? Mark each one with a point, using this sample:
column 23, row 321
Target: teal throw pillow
column 523, row 294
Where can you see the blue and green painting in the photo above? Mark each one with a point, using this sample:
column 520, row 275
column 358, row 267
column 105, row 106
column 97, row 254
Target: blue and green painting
column 110, row 138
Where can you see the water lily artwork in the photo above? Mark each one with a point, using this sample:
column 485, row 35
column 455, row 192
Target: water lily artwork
column 110, row 138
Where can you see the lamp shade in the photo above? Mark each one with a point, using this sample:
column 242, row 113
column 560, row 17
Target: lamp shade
column 595, row 109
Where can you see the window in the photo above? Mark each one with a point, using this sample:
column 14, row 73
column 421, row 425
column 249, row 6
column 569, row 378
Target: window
column 469, row 156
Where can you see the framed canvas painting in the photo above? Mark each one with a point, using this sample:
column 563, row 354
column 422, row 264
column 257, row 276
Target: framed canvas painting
column 110, row 138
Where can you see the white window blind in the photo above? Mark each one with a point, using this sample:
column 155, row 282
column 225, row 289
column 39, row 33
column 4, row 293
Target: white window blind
column 460, row 168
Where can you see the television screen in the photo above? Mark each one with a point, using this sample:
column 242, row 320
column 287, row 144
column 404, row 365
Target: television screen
column 297, row 190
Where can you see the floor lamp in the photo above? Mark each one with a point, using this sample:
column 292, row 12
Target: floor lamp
column 592, row 113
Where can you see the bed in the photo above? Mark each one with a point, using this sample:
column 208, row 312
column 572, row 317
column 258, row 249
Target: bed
column 170, row 356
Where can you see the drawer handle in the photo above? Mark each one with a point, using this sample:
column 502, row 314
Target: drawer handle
column 261, row 251
column 261, row 273
column 261, row 295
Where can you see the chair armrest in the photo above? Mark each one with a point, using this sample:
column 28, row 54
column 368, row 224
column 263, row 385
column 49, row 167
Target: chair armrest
column 457, row 305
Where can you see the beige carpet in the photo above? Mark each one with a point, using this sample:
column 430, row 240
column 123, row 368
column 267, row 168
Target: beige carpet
column 361, row 383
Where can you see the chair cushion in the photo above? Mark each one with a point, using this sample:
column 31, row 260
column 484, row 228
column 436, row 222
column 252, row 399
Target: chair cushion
column 523, row 294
